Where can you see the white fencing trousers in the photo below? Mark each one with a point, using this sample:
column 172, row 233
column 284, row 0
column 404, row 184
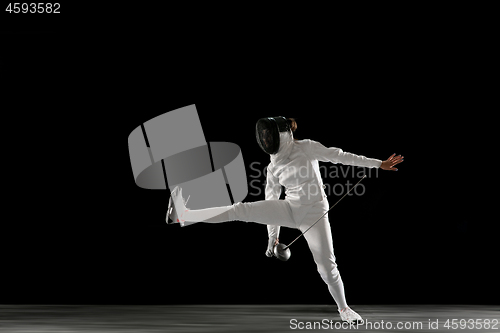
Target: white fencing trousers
column 278, row 212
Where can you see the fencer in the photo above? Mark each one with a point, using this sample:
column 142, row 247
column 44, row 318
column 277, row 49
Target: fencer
column 294, row 165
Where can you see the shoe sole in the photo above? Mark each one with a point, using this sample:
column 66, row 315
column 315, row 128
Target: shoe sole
column 170, row 210
column 355, row 321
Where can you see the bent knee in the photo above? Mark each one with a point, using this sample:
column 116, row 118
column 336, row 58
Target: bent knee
column 330, row 274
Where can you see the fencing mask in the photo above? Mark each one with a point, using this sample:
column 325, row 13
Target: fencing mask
column 267, row 132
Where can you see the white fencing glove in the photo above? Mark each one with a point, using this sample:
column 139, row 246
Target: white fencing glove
column 273, row 232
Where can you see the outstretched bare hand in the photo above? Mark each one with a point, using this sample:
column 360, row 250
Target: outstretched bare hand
column 391, row 162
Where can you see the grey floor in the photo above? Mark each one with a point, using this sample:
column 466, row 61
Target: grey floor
column 242, row 318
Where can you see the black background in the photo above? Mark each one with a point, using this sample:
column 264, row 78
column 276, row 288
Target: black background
column 77, row 229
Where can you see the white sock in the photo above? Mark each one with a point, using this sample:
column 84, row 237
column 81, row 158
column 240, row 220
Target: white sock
column 211, row 215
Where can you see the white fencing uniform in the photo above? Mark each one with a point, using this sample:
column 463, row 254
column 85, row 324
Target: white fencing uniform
column 296, row 167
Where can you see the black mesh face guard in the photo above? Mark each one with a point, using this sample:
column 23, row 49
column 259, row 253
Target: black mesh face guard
column 267, row 133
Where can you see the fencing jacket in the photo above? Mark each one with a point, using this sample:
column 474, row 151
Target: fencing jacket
column 295, row 166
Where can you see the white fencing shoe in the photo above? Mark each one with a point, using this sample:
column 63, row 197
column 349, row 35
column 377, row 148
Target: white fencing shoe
column 349, row 315
column 176, row 206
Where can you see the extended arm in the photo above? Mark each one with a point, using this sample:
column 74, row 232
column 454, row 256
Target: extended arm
column 337, row 155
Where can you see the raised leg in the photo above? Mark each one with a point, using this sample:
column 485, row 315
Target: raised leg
column 269, row 212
